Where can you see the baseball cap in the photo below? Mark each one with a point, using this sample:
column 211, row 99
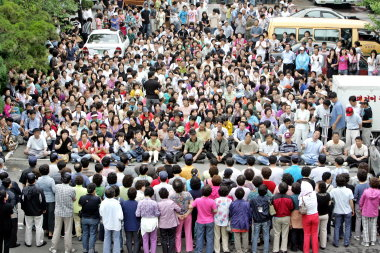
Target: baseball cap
column 132, row 100
column 145, row 109
column 94, row 114
column 103, row 125
column 126, row 122
column 302, row 48
column 180, row 129
column 129, row 76
column 1, row 161
column 349, row 111
column 163, row 175
column 287, row 135
column 188, row 157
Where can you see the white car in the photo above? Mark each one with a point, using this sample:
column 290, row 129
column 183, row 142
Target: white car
column 320, row 12
column 103, row 40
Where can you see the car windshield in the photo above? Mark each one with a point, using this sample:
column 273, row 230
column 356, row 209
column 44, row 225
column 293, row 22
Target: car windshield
column 103, row 38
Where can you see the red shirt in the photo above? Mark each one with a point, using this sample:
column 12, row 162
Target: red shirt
column 270, row 184
column 87, row 146
column 157, row 181
column 283, row 205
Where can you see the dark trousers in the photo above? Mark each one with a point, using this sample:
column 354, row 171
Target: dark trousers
column 210, row 156
column 48, row 223
column 132, row 236
column 355, row 163
column 4, row 240
column 176, row 155
column 168, row 239
column 289, row 66
column 285, row 159
column 296, row 239
column 201, row 156
column 13, row 238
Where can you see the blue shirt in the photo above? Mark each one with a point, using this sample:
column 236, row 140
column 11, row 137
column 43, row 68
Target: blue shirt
column 336, row 111
column 183, row 17
column 31, row 124
column 353, row 122
column 313, row 148
column 302, row 61
column 295, row 171
column 253, row 120
column 15, row 129
column 131, row 222
column 240, row 134
column 359, row 189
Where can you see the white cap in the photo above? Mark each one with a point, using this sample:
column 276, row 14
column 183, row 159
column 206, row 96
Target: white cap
column 219, row 90
column 302, row 48
column 129, row 76
column 240, row 86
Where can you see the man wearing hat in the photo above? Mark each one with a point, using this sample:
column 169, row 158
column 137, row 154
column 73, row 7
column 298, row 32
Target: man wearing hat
column 353, row 123
column 105, row 133
column 366, row 122
column 194, row 146
column 33, row 204
column 287, row 149
column 36, row 145
column 302, row 61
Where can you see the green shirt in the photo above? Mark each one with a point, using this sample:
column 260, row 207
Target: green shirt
column 154, row 145
column 100, row 191
column 79, row 192
column 123, row 193
column 193, row 147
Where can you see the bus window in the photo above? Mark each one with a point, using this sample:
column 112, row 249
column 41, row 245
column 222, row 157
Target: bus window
column 280, row 31
column 302, row 31
column 366, row 35
column 326, row 35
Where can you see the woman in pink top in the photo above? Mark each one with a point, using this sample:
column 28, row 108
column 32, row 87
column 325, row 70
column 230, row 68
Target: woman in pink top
column 343, row 62
column 216, row 181
column 205, row 221
column 369, row 207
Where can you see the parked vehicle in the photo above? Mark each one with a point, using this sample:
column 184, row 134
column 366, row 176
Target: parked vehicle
column 105, row 40
column 320, row 12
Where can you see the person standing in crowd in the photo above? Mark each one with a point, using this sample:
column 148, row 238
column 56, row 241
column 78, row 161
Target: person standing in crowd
column 168, row 221
column 90, row 218
column 149, row 212
column 343, row 210
column 131, row 222
column 112, row 216
column 6, row 211
column 205, row 221
column 33, row 203
column 64, row 198
column 366, row 122
column 47, row 184
column 222, row 219
column 369, row 203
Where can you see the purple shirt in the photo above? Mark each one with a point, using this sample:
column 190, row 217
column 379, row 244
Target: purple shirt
column 147, row 208
column 168, row 210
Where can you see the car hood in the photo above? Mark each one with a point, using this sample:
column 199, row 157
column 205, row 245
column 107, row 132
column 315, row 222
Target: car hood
column 101, row 45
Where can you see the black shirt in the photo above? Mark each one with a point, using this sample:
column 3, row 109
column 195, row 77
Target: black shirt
column 145, row 15
column 323, row 200
column 24, row 175
column 367, row 115
column 6, row 210
column 64, row 147
column 90, row 206
column 150, row 87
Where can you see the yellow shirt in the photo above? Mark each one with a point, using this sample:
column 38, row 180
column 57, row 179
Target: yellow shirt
column 204, row 135
column 186, row 172
column 229, row 127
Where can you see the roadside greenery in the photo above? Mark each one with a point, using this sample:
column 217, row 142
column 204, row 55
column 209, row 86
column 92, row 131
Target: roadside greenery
column 374, row 5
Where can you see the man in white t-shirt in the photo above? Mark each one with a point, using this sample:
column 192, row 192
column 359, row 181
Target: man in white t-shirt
column 316, row 173
column 36, row 145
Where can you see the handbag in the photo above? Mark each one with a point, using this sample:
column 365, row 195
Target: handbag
column 353, row 67
column 272, row 210
column 375, row 72
column 303, row 208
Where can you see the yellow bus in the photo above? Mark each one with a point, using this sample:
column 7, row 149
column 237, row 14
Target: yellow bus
column 327, row 29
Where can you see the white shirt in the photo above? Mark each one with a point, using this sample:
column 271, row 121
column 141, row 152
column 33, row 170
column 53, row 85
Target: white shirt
column 276, row 175
column 235, row 174
column 37, row 144
column 316, row 173
column 112, row 214
column 310, row 201
column 301, row 115
column 316, row 63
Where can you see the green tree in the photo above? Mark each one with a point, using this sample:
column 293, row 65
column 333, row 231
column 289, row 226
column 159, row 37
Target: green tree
column 374, row 5
column 23, row 33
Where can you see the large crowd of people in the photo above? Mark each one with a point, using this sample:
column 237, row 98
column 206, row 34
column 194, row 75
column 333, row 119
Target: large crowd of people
column 191, row 87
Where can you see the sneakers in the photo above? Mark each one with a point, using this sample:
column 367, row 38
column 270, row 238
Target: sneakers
column 373, row 243
column 357, row 238
column 365, row 244
column 52, row 250
column 71, row 251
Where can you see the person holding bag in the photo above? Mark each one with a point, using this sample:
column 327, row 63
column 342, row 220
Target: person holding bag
column 310, row 218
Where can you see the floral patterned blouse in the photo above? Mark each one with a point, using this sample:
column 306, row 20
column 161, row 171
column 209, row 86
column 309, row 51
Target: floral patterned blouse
column 223, row 207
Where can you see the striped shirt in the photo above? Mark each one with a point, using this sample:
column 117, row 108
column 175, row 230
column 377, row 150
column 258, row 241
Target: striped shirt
column 286, row 148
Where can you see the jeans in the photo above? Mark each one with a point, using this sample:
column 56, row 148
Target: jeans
column 145, row 29
column 343, row 72
column 257, row 227
column 137, row 154
column 48, row 223
column 168, row 239
column 309, row 159
column 150, row 102
column 76, row 157
column 200, row 233
column 109, row 237
column 90, row 229
column 242, row 159
column 132, row 236
column 339, row 219
column 263, row 160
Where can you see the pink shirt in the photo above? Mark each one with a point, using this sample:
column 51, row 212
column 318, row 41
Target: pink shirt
column 206, row 207
column 343, row 63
